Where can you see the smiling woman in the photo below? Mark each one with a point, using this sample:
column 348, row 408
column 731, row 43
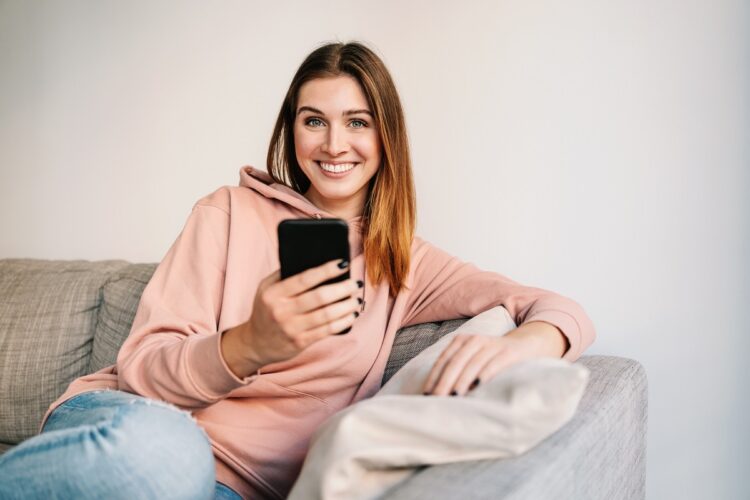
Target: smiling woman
column 336, row 145
column 343, row 107
column 254, row 359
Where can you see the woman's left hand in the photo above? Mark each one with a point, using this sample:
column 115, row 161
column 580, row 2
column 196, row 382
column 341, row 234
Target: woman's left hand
column 472, row 359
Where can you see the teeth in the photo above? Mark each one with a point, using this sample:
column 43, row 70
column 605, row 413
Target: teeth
column 328, row 167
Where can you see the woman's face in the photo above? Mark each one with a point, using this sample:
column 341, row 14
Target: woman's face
column 337, row 144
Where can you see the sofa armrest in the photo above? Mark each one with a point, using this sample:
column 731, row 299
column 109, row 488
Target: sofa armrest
column 600, row 453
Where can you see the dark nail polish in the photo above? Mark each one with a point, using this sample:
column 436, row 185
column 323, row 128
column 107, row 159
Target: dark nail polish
column 454, row 393
column 426, row 393
column 359, row 300
column 356, row 314
column 474, row 384
column 360, row 283
column 343, row 264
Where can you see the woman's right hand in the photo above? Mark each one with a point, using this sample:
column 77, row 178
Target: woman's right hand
column 289, row 315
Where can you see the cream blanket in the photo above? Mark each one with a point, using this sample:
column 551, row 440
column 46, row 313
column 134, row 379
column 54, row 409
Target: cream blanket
column 367, row 448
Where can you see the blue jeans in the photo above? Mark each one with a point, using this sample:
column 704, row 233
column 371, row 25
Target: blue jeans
column 113, row 444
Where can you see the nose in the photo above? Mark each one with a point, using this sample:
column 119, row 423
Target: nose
column 335, row 142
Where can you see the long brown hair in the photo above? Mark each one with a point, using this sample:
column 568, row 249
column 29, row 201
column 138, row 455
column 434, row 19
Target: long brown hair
column 389, row 217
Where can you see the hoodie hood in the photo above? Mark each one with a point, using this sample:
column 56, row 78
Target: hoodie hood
column 260, row 181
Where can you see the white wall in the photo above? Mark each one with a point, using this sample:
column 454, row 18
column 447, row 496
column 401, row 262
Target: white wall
column 598, row 149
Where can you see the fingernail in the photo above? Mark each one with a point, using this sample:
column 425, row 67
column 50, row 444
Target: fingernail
column 474, row 384
column 360, row 283
column 426, row 393
column 356, row 314
column 343, row 264
column 359, row 300
column 454, row 393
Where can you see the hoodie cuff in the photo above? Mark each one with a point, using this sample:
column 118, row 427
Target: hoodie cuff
column 567, row 325
column 209, row 371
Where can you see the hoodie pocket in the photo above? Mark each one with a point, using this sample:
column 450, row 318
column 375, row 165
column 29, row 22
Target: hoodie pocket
column 265, row 389
column 293, row 392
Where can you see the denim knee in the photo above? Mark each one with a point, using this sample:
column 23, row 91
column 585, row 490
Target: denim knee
column 112, row 444
column 165, row 447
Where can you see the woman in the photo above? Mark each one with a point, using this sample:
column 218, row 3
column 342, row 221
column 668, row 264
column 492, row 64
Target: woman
column 228, row 370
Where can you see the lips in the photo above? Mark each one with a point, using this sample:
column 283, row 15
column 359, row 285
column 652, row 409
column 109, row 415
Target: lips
column 336, row 175
column 336, row 167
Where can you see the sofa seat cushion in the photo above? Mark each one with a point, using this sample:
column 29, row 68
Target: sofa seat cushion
column 48, row 315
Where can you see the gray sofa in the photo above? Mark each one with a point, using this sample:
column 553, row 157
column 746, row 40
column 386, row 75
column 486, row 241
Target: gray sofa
column 63, row 319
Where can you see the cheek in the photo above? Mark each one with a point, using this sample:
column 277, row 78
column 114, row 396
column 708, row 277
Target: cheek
column 369, row 146
column 303, row 143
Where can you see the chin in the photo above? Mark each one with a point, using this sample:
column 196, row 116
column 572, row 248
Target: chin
column 337, row 194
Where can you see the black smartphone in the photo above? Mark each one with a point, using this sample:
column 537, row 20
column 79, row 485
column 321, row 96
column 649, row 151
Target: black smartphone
column 306, row 243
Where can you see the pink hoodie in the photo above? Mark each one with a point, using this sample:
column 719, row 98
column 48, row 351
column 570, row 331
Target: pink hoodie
column 260, row 426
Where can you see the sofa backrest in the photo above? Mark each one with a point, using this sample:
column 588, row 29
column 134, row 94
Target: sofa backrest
column 120, row 296
column 48, row 317
column 62, row 319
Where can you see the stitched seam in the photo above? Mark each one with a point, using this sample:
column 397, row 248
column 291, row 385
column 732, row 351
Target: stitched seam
column 211, row 206
column 100, row 302
column 206, row 397
column 299, row 393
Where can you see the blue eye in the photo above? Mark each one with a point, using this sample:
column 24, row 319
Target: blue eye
column 309, row 120
column 364, row 123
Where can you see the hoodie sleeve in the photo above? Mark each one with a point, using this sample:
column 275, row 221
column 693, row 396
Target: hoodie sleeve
column 173, row 350
column 444, row 287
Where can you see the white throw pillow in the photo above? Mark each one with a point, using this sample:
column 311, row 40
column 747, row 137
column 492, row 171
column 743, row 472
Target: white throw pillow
column 367, row 448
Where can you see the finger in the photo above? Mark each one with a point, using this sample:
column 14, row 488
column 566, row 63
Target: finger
column 456, row 366
column 503, row 360
column 328, row 329
column 472, row 373
column 324, row 295
column 310, row 278
column 326, row 314
column 437, row 367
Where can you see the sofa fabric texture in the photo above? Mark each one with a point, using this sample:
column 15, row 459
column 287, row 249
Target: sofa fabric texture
column 49, row 312
column 61, row 319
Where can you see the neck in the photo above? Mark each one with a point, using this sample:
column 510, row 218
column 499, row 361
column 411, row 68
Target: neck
column 343, row 209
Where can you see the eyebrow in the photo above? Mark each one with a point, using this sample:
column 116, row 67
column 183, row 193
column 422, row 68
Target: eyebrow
column 345, row 113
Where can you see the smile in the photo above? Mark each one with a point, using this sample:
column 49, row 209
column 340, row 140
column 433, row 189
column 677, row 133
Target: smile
column 337, row 169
